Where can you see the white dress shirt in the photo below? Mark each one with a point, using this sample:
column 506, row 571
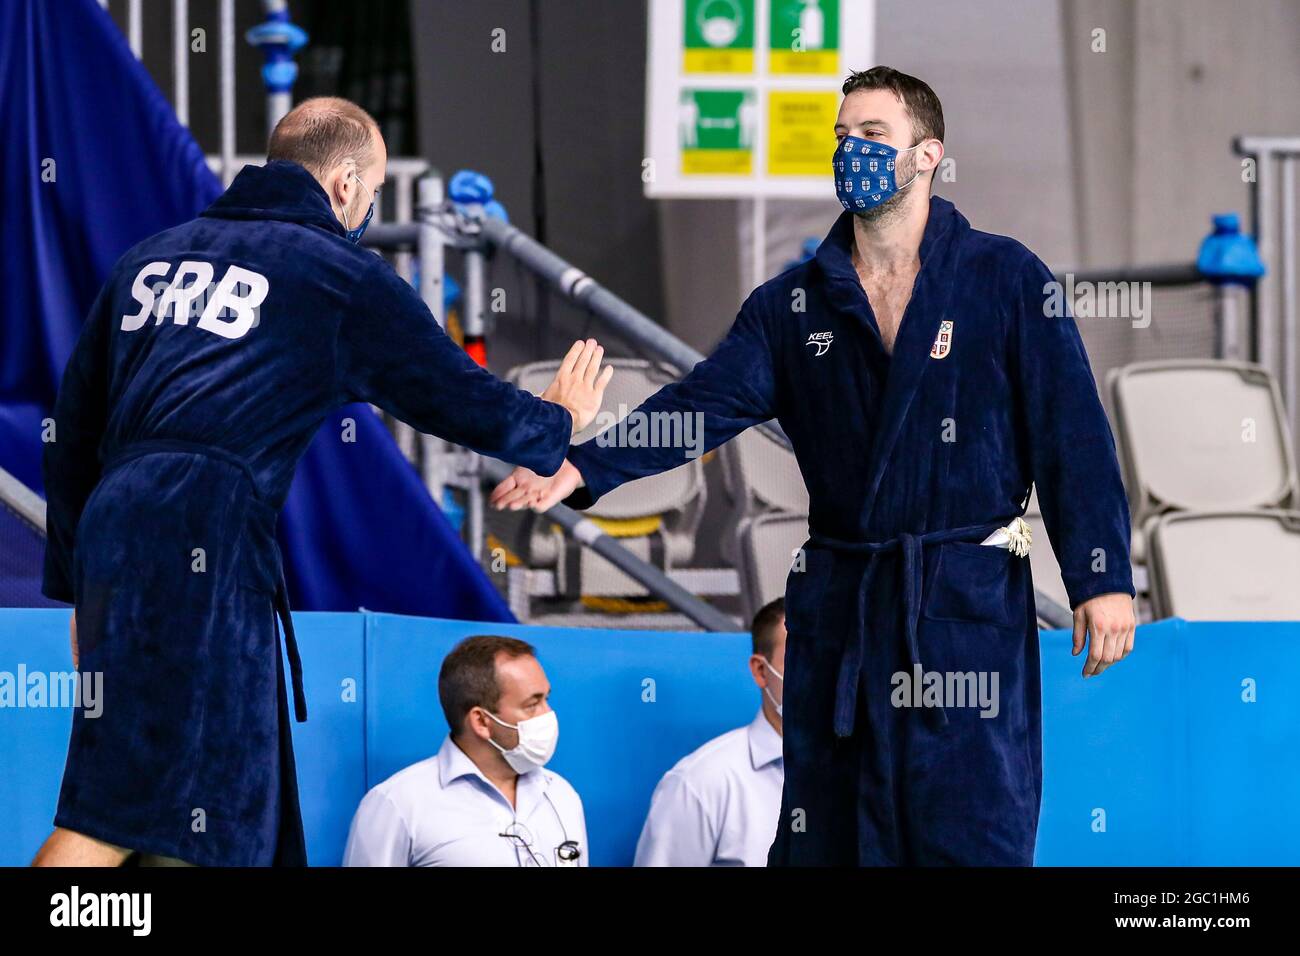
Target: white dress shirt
column 720, row 805
column 444, row 812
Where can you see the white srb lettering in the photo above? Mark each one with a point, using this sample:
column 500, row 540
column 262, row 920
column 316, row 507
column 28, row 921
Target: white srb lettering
column 178, row 296
column 193, row 282
column 144, row 294
column 244, row 306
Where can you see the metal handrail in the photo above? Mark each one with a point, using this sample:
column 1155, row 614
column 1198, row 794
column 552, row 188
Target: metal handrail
column 1277, row 299
column 24, row 502
column 1163, row 274
column 1052, row 613
column 587, row 533
column 574, row 284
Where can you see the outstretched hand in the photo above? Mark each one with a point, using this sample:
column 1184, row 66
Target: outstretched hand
column 579, row 384
column 525, row 488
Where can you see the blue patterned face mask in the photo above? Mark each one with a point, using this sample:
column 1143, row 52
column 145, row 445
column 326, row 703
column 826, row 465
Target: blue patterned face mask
column 354, row 235
column 864, row 173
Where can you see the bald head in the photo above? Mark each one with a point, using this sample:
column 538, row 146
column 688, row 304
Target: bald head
column 324, row 132
column 339, row 143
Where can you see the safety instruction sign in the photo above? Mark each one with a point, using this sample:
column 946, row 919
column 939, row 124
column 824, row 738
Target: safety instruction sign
column 805, row 37
column 742, row 94
column 719, row 36
column 717, row 132
column 797, row 124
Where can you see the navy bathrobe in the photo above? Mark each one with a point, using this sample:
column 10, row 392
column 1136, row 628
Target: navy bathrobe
column 910, row 460
column 208, row 362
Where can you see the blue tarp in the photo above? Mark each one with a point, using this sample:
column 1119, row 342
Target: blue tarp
column 94, row 160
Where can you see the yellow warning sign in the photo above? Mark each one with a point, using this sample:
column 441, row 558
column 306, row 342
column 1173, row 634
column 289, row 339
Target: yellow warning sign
column 801, row 132
column 717, row 162
column 810, row 61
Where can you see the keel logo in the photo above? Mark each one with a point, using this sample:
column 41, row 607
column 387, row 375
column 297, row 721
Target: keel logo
column 943, row 341
column 822, row 340
column 133, row 910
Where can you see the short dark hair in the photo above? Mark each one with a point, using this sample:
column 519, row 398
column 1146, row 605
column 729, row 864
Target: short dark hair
column 468, row 677
column 923, row 107
column 323, row 132
column 763, row 630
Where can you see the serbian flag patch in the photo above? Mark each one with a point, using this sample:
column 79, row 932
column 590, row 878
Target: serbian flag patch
column 942, row 341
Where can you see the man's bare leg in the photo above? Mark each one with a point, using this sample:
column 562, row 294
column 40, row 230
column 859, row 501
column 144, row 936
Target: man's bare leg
column 69, row 848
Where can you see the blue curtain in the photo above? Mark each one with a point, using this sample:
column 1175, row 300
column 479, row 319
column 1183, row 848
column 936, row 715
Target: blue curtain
column 94, row 160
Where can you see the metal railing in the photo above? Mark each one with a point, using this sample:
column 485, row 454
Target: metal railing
column 1194, row 318
column 1273, row 212
column 587, row 533
column 22, row 501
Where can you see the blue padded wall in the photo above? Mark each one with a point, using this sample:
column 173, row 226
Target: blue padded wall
column 1165, row 759
column 330, row 746
column 630, row 705
column 1243, row 788
column 1113, row 746
column 33, row 741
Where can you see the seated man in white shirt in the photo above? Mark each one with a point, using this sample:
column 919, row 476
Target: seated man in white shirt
column 719, row 806
column 484, row 799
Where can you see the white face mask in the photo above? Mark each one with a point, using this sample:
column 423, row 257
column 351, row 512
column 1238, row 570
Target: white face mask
column 775, row 703
column 537, row 739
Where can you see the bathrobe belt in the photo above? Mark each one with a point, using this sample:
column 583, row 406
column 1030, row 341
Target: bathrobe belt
column 910, row 547
column 151, row 446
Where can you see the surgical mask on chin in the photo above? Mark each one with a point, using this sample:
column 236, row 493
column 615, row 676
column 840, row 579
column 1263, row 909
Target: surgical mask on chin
column 354, row 235
column 864, row 173
column 537, row 739
column 768, row 691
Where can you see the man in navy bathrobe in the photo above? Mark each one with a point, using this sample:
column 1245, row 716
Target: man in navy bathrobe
column 207, row 364
column 925, row 381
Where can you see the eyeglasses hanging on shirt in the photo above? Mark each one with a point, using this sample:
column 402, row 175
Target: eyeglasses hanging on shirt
column 522, row 839
column 566, row 854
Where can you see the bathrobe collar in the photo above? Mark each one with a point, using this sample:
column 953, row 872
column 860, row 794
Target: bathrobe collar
column 279, row 190
column 928, row 307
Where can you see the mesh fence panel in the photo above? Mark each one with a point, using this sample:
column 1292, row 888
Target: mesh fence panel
column 1181, row 326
